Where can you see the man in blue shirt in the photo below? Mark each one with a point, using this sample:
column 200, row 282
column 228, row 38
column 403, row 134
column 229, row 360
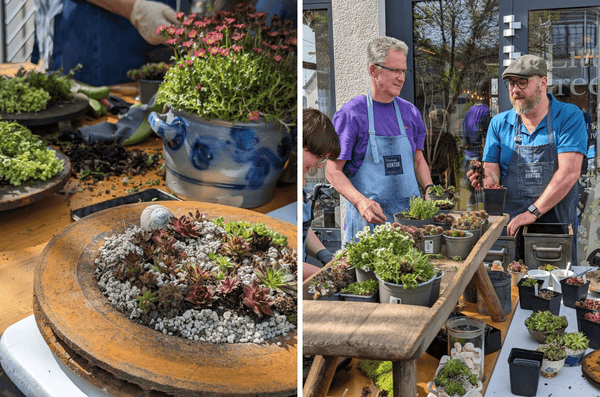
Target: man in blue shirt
column 535, row 150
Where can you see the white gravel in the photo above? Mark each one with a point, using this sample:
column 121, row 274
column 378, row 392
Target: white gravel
column 206, row 325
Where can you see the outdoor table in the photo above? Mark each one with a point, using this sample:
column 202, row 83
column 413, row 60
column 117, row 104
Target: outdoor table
column 26, row 230
column 397, row 333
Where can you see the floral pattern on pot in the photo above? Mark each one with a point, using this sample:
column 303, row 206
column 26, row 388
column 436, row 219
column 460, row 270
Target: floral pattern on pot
column 216, row 161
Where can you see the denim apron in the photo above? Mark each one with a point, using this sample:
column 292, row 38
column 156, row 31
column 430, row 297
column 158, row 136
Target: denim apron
column 307, row 217
column 106, row 44
column 387, row 175
column 530, row 170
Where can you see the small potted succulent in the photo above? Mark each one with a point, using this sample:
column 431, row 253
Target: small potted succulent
column 454, row 378
column 432, row 239
column 573, row 290
column 420, row 213
column 149, row 77
column 471, row 222
column 546, row 299
column 542, row 324
column 554, row 359
column 589, row 324
column 575, row 343
column 458, row 243
column 437, row 192
column 585, row 305
column 444, row 220
column 327, row 284
column 525, row 286
column 517, row 270
column 444, row 206
column 364, row 291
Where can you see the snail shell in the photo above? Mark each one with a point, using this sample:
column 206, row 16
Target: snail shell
column 155, row 217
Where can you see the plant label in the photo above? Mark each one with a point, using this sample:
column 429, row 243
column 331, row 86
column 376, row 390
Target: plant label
column 395, row 300
column 428, row 245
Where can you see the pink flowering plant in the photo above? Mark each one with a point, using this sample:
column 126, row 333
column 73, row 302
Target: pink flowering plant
column 232, row 66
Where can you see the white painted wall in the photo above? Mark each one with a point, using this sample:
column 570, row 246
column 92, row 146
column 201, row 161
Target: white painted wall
column 355, row 23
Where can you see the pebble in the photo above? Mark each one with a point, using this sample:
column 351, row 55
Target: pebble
column 206, row 325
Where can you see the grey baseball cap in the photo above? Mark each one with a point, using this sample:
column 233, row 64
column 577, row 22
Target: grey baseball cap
column 526, row 66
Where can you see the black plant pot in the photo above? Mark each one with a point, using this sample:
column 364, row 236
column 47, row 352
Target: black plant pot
column 540, row 304
column 524, row 297
column 573, row 293
column 493, row 200
column 591, row 329
column 524, row 367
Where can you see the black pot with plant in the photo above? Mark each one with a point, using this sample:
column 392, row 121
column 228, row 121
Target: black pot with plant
column 149, row 77
column 525, row 286
column 364, row 291
column 573, row 289
column 546, row 299
column 589, row 324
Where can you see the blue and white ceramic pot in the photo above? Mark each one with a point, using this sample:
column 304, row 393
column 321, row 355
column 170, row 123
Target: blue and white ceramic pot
column 222, row 162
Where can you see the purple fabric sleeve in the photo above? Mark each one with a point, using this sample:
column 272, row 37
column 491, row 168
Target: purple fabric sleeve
column 352, row 125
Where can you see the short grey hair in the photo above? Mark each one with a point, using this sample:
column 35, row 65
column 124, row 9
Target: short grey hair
column 378, row 49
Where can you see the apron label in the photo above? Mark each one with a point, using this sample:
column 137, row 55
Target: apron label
column 393, row 165
column 533, row 174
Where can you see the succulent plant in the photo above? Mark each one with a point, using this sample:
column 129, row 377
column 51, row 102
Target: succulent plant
column 228, row 285
column 170, row 295
column 258, row 299
column 185, row 226
column 574, row 281
column 147, row 301
column 366, row 287
column 517, row 267
column 201, row 295
column 592, row 304
column 545, row 321
column 529, row 282
column 592, row 316
column 450, row 376
column 553, row 351
column 455, row 233
column 547, row 267
column 445, row 219
column 576, row 341
column 432, row 230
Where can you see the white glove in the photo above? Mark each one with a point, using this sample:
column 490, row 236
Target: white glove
column 146, row 16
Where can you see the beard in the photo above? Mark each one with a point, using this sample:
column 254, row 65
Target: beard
column 529, row 103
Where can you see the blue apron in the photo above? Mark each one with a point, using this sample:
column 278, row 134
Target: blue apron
column 530, row 170
column 307, row 217
column 387, row 175
column 106, row 44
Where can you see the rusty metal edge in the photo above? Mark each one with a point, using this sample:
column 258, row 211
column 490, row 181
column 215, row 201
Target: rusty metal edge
column 143, row 375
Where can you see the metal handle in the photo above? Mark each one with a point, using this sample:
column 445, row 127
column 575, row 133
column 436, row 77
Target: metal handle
column 173, row 132
column 494, row 253
column 557, row 250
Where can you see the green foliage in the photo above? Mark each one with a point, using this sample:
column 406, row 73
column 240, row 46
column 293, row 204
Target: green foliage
column 545, row 321
column 147, row 300
column 553, row 351
column 528, row 282
column 149, row 71
column 366, row 287
column 23, row 156
column 420, row 209
column 408, row 269
column 233, row 74
column 456, row 258
column 572, row 340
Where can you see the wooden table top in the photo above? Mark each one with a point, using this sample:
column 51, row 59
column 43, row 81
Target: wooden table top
column 386, row 331
column 25, row 231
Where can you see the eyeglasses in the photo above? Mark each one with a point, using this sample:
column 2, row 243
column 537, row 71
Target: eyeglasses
column 521, row 83
column 322, row 160
column 399, row 72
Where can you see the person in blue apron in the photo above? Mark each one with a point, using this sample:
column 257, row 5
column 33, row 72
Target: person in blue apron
column 381, row 165
column 319, row 142
column 107, row 42
column 535, row 150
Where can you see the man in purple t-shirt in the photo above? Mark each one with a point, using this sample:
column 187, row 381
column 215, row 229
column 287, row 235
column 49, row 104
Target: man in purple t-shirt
column 381, row 164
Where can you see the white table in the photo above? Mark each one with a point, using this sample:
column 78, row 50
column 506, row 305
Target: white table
column 568, row 383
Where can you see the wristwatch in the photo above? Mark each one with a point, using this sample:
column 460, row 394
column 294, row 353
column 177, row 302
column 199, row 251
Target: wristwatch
column 533, row 209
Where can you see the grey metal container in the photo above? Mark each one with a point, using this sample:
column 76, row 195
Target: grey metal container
column 547, row 243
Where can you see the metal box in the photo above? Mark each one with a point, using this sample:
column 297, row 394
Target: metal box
column 548, row 243
column 504, row 249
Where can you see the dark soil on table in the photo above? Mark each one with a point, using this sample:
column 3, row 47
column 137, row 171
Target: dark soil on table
column 101, row 160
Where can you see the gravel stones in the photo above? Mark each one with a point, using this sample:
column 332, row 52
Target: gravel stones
column 213, row 325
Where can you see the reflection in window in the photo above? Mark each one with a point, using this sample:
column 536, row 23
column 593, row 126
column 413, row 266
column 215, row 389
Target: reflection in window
column 316, row 62
column 455, row 50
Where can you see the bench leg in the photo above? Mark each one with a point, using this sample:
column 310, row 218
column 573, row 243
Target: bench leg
column 320, row 376
column 404, row 374
column 487, row 292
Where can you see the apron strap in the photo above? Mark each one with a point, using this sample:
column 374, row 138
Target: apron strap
column 371, row 117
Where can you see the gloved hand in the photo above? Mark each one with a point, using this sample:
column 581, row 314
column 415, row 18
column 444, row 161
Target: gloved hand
column 324, row 256
column 146, row 16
